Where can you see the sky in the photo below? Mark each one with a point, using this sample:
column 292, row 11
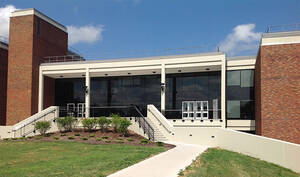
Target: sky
column 101, row 29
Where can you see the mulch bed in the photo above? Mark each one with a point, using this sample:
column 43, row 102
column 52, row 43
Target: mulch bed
column 96, row 137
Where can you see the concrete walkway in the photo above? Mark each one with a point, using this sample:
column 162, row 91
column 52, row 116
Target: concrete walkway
column 166, row 164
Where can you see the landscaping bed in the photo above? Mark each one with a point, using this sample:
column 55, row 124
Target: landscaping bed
column 95, row 137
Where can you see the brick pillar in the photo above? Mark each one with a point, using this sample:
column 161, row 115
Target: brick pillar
column 277, row 92
column 32, row 36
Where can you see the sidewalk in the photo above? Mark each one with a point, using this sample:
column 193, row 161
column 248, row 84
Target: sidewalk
column 166, row 164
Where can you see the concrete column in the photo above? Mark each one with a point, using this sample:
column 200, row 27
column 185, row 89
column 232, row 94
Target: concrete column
column 87, row 93
column 41, row 91
column 223, row 92
column 163, row 88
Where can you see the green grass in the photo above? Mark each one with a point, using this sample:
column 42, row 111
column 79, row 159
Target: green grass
column 223, row 163
column 27, row 158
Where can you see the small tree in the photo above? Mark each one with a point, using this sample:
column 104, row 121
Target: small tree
column 66, row 123
column 42, row 127
column 88, row 124
column 115, row 121
column 103, row 123
column 124, row 124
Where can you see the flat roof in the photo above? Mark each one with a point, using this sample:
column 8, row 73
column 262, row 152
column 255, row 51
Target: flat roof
column 242, row 58
column 281, row 34
column 135, row 59
column 33, row 11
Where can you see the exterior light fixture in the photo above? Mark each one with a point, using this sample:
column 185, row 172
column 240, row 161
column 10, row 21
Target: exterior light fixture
column 207, row 69
column 86, row 89
column 162, row 87
column 61, row 76
column 129, row 73
column 179, row 71
column 105, row 74
column 154, row 72
column 83, row 75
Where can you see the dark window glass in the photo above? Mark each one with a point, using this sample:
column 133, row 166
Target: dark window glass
column 202, row 86
column 240, row 94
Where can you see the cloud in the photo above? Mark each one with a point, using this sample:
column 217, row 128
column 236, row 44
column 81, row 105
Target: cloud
column 84, row 34
column 5, row 13
column 241, row 39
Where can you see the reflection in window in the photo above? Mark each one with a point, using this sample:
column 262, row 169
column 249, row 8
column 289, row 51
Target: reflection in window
column 240, row 94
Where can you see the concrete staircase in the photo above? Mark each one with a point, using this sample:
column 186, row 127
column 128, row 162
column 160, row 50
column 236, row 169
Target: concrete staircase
column 158, row 135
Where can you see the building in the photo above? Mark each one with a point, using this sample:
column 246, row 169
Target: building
column 253, row 93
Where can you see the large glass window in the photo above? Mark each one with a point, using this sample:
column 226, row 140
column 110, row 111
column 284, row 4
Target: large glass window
column 202, row 86
column 240, row 94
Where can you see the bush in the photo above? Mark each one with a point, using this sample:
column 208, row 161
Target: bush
column 42, row 127
column 105, row 137
column 160, row 143
column 145, row 141
column 84, row 138
column 88, row 124
column 71, row 138
column 92, row 135
column 123, row 127
column 63, row 134
column 116, row 119
column 130, row 139
column 76, row 134
column 66, row 123
column 107, row 141
column 56, row 138
column 119, row 141
column 98, row 139
column 103, row 123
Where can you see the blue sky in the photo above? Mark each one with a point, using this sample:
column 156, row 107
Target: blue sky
column 109, row 27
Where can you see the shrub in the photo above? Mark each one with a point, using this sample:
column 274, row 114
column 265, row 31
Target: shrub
column 98, row 139
column 66, row 123
column 6, row 139
column 30, row 137
column 107, row 141
column 92, row 135
column 103, row 123
column 159, row 143
column 181, row 173
column 123, row 127
column 76, row 134
column 105, row 137
column 119, row 138
column 84, row 138
column 63, row 134
column 14, row 138
column 88, row 124
column 71, row 138
column 130, row 139
column 145, row 141
column 119, row 141
column 56, row 138
column 116, row 119
column 42, row 127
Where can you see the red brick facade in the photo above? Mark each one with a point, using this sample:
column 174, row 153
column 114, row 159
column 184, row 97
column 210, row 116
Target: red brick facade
column 31, row 38
column 3, row 84
column 277, row 87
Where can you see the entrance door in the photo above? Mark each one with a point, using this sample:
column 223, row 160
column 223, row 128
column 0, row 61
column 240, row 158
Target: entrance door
column 195, row 110
column 81, row 110
column 71, row 109
column 188, row 108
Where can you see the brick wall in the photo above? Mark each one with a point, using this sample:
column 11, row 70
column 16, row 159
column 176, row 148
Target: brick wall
column 3, row 84
column 31, row 38
column 278, row 92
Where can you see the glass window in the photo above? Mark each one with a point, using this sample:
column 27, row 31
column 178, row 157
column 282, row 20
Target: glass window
column 233, row 109
column 247, row 78
column 233, row 78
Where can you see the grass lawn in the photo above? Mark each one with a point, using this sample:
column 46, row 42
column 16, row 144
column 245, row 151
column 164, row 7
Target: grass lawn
column 223, row 163
column 40, row 158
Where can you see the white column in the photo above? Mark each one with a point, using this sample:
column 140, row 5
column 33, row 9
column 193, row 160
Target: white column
column 223, row 92
column 87, row 93
column 163, row 88
column 41, row 91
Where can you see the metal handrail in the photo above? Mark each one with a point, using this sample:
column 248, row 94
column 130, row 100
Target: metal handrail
column 283, row 28
column 30, row 122
column 169, row 131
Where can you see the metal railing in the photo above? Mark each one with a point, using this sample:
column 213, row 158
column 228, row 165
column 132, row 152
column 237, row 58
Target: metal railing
column 283, row 28
column 65, row 58
column 26, row 128
column 123, row 111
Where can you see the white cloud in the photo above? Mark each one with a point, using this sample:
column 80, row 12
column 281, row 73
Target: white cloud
column 84, row 34
column 241, row 39
column 5, row 13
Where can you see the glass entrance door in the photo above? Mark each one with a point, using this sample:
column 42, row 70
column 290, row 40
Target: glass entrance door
column 195, row 110
column 81, row 110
